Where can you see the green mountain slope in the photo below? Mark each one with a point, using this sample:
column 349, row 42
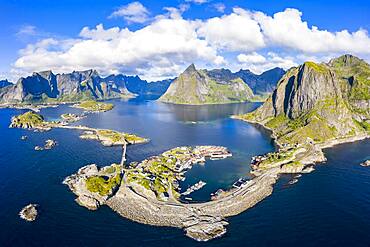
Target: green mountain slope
column 319, row 102
column 197, row 87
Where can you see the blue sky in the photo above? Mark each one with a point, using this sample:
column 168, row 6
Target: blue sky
column 41, row 34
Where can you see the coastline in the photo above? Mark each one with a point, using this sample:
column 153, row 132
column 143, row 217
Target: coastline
column 203, row 221
column 207, row 220
column 208, row 104
column 326, row 144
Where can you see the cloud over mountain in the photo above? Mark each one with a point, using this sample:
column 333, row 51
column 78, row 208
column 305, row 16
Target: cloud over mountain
column 169, row 42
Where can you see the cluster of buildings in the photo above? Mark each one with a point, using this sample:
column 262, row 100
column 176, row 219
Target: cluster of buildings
column 174, row 163
column 213, row 152
column 256, row 160
column 186, row 157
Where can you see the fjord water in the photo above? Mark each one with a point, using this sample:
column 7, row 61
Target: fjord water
column 329, row 207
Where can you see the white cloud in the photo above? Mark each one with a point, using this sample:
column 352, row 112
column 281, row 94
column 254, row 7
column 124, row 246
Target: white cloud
column 258, row 63
column 133, row 12
column 220, row 7
column 234, row 32
column 286, row 29
column 27, row 30
column 157, row 50
column 253, row 58
column 166, row 45
column 197, row 1
column 100, row 33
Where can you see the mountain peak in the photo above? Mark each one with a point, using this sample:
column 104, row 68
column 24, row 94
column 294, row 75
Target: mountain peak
column 190, row 69
column 345, row 60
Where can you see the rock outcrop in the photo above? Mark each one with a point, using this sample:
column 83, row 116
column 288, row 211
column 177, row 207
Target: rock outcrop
column 28, row 120
column 197, row 87
column 319, row 102
column 29, row 212
column 366, row 163
column 94, row 186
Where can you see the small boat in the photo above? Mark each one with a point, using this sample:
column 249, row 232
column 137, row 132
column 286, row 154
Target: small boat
column 293, row 181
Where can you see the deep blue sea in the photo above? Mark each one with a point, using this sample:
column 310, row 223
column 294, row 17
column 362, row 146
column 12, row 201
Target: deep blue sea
column 329, row 207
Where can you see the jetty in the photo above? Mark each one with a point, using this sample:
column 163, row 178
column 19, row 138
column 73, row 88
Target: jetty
column 195, row 187
column 123, row 159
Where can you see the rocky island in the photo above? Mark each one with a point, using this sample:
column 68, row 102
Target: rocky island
column 32, row 120
column 94, row 106
column 49, row 144
column 366, row 163
column 155, row 182
column 28, row 120
column 112, row 138
column 29, row 212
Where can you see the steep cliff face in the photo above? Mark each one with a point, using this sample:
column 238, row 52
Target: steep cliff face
column 45, row 86
column 146, row 89
column 200, row 87
column 319, row 101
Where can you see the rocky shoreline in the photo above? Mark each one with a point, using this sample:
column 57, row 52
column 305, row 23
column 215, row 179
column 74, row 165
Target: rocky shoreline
column 200, row 221
column 33, row 121
column 366, row 163
column 205, row 221
column 111, row 185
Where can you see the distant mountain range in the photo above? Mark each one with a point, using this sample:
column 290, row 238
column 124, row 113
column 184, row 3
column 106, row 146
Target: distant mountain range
column 4, row 83
column 43, row 87
column 260, row 84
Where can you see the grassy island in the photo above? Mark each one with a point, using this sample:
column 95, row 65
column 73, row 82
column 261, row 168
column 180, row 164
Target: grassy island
column 112, row 137
column 94, row 106
column 27, row 120
column 32, row 120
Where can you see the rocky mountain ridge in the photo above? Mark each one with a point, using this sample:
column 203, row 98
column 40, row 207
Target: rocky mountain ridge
column 319, row 102
column 260, row 84
column 202, row 87
column 47, row 87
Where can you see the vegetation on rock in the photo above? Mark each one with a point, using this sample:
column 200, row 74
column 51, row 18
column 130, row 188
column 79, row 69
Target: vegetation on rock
column 102, row 185
column 29, row 119
column 318, row 102
column 197, row 87
column 94, row 106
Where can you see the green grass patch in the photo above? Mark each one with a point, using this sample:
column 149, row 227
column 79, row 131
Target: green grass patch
column 92, row 105
column 99, row 184
column 317, row 67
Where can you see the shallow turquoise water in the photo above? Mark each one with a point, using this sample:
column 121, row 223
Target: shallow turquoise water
column 327, row 207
